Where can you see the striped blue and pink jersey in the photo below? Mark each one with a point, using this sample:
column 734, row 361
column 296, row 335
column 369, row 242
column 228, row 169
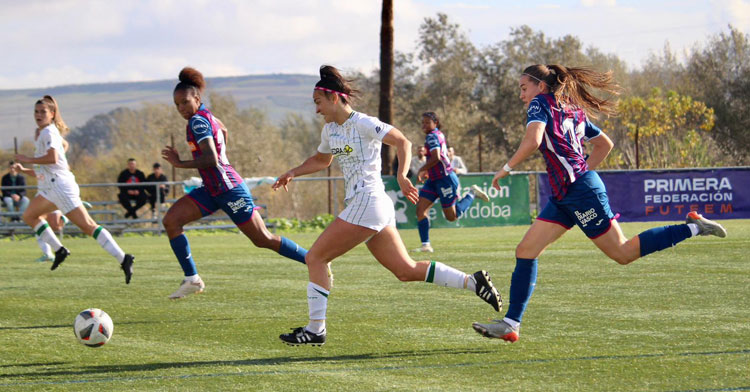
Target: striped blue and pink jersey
column 561, row 143
column 223, row 177
column 435, row 144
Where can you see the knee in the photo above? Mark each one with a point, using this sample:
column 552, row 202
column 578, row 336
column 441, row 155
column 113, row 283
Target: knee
column 314, row 260
column 525, row 250
column 27, row 218
column 171, row 222
column 450, row 218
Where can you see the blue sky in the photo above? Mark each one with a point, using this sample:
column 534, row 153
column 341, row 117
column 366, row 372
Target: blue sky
column 50, row 43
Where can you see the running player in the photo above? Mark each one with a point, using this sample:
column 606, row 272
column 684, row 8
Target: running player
column 558, row 100
column 223, row 188
column 58, row 188
column 441, row 182
column 355, row 139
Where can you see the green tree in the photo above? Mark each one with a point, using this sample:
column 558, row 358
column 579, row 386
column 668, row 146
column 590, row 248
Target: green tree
column 662, row 130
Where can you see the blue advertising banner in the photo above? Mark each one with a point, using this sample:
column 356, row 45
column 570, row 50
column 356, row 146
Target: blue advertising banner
column 668, row 195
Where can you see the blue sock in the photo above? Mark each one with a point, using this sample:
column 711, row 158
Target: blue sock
column 291, row 250
column 424, row 230
column 464, row 204
column 658, row 238
column 181, row 249
column 522, row 284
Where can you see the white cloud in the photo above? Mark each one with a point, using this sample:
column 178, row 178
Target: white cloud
column 598, row 3
column 94, row 41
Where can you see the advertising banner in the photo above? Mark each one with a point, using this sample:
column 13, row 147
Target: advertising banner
column 508, row 206
column 668, row 195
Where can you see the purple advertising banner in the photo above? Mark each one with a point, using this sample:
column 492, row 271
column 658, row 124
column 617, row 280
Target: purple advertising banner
column 668, row 195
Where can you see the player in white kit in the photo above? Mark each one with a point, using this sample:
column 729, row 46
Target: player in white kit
column 58, row 188
column 355, row 139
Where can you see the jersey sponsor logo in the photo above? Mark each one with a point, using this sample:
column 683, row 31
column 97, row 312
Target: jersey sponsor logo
column 447, row 191
column 534, row 108
column 587, row 216
column 238, row 205
column 193, row 146
column 342, row 151
column 199, row 126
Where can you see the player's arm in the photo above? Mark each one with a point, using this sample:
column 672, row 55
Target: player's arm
column 25, row 170
column 602, row 146
column 209, row 157
column 315, row 163
column 530, row 143
column 396, row 138
column 50, row 158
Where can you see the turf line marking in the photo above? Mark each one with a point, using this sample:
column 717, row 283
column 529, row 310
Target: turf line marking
column 359, row 369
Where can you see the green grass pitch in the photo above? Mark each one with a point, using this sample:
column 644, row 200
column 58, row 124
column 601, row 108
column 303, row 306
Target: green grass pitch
column 678, row 320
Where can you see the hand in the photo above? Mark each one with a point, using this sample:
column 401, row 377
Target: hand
column 283, row 180
column 502, row 173
column 171, row 155
column 422, row 175
column 15, row 197
column 21, row 158
column 410, row 191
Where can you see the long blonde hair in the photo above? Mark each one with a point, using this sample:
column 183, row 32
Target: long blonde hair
column 569, row 85
column 51, row 104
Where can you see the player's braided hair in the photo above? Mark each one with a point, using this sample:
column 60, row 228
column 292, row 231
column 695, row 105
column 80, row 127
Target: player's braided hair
column 191, row 79
column 571, row 86
column 51, row 105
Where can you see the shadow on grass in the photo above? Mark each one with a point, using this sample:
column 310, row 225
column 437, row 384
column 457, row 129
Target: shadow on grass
column 147, row 367
column 32, row 364
column 118, row 323
column 342, row 359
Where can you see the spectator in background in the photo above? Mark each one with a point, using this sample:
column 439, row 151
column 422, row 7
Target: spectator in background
column 417, row 161
column 151, row 190
column 456, row 162
column 14, row 199
column 131, row 175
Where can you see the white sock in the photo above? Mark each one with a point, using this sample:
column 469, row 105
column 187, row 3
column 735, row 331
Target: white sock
column 317, row 302
column 108, row 243
column 513, row 323
column 443, row 275
column 693, row 229
column 44, row 246
column 193, row 278
column 426, row 243
column 47, row 235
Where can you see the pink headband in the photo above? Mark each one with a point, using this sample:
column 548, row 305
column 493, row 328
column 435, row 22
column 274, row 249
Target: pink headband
column 328, row 90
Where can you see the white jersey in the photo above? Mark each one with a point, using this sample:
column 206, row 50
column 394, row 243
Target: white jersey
column 356, row 145
column 49, row 137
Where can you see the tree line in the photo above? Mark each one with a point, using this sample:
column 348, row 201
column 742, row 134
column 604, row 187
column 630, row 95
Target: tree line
column 690, row 113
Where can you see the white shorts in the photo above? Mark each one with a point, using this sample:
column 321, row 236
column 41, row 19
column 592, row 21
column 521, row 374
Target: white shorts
column 373, row 210
column 62, row 191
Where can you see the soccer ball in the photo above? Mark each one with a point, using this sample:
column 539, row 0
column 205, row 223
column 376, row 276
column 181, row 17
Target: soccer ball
column 93, row 327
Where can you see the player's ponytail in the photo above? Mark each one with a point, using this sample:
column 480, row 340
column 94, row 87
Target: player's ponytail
column 57, row 119
column 191, row 79
column 571, row 86
column 331, row 82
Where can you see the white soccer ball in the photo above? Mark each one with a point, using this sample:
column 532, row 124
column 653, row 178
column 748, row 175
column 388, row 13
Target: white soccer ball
column 93, row 327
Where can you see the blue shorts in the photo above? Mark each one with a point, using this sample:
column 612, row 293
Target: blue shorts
column 237, row 203
column 445, row 188
column 586, row 204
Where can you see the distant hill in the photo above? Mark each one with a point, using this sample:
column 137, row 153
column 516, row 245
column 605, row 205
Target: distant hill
column 276, row 94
